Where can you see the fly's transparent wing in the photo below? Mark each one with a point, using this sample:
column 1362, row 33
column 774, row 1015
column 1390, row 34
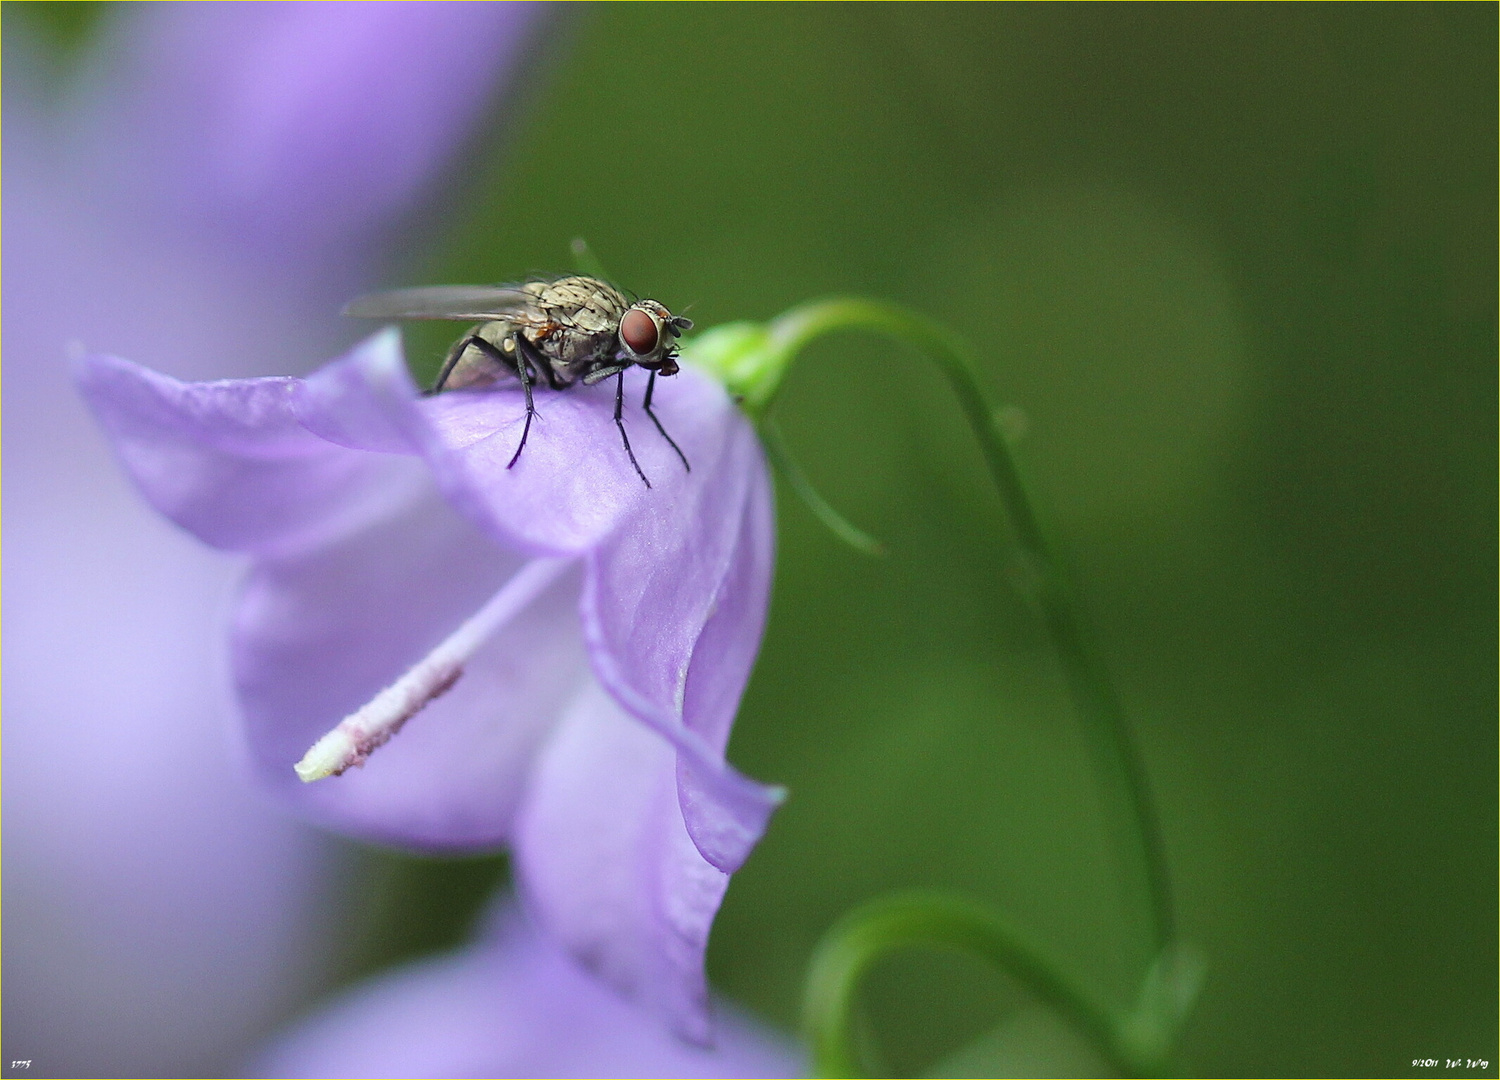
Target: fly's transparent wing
column 460, row 302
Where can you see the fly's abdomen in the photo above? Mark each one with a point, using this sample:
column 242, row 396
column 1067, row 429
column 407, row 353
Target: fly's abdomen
column 470, row 364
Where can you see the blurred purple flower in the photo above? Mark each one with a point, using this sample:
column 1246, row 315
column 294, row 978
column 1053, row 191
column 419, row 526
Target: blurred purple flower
column 156, row 906
column 512, row 1004
column 395, row 550
column 302, row 130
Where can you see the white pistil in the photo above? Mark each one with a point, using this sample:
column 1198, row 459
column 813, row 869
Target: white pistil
column 360, row 733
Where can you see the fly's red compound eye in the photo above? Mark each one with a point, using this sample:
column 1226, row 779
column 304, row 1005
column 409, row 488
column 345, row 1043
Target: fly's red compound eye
column 638, row 330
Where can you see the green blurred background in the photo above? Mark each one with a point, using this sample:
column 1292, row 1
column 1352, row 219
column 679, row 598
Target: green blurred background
column 1234, row 270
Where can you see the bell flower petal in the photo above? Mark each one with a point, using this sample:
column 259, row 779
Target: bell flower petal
column 606, row 784
column 309, row 127
column 230, row 462
column 512, row 1004
column 673, row 612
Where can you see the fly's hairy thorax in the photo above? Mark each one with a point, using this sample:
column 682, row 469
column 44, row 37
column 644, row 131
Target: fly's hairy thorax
column 573, row 322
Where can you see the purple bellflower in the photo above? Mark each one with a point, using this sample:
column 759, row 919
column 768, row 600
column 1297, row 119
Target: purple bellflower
column 159, row 910
column 568, row 646
column 511, row 1004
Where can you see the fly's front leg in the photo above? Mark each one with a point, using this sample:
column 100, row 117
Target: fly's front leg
column 620, row 423
column 650, row 387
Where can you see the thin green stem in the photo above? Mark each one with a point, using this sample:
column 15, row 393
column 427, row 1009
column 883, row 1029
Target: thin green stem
column 883, row 926
column 1098, row 705
column 781, row 457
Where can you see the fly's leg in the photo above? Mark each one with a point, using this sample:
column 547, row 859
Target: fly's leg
column 524, row 360
column 519, row 363
column 620, row 423
column 650, row 387
column 449, row 364
column 456, row 354
column 598, row 375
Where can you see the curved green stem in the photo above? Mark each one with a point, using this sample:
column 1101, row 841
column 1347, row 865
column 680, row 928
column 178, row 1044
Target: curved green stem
column 751, row 359
column 934, row 921
column 781, row 457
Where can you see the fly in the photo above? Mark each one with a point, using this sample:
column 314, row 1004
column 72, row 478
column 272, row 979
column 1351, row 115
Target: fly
column 565, row 331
